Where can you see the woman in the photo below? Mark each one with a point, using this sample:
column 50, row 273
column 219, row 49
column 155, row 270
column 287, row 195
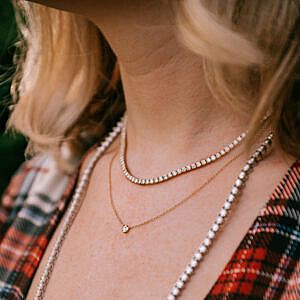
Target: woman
column 193, row 76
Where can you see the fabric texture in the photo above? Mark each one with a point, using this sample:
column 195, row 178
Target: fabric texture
column 265, row 265
column 31, row 208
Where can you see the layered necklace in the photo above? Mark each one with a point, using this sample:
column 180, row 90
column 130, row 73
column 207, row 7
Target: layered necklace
column 198, row 255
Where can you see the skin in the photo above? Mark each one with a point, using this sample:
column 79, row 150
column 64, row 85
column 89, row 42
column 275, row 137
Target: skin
column 167, row 100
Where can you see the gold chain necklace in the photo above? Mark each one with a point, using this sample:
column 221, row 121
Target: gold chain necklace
column 126, row 227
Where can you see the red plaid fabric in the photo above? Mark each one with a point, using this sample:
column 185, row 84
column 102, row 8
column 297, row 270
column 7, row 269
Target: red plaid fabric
column 31, row 208
column 265, row 265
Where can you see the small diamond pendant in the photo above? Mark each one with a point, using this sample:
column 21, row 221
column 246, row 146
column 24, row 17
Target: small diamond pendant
column 125, row 228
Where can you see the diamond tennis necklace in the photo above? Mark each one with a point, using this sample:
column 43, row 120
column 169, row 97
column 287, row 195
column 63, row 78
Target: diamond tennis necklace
column 176, row 172
column 126, row 228
column 78, row 196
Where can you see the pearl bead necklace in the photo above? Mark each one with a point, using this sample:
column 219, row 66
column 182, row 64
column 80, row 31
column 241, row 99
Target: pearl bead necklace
column 223, row 213
column 173, row 173
column 73, row 210
column 78, row 196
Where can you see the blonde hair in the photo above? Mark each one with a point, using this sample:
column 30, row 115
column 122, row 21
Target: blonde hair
column 68, row 87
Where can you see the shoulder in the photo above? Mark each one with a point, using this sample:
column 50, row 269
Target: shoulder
column 40, row 172
column 38, row 185
column 31, row 208
column 289, row 186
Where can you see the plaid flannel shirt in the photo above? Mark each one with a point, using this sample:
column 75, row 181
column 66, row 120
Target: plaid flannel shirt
column 265, row 265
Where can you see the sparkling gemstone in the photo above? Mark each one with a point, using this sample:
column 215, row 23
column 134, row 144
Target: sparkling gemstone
column 257, row 153
column 213, row 157
column 125, row 228
column 202, row 249
column 238, row 182
column 208, row 160
column 242, row 175
column 227, row 149
column 198, row 255
column 218, row 155
column 251, row 161
column 175, row 291
column 231, row 198
column 193, row 263
column 174, row 173
column 100, row 149
column 160, row 178
column 85, row 177
column 171, row 297
column 203, row 162
column 230, row 145
column 87, row 172
column 194, row 166
column 227, row 205
column 235, row 142
column 234, row 190
column 211, row 234
column 183, row 169
column 223, row 212
column 109, row 139
column 184, row 277
column 246, row 168
column 198, row 164
column 179, row 284
column 219, row 220
column 113, row 133
column 215, row 227
column 267, row 142
column 105, row 143
column 170, row 175
column 188, row 168
column 189, row 270
column 222, row 152
column 207, row 242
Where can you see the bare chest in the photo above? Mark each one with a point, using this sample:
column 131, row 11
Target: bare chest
column 98, row 261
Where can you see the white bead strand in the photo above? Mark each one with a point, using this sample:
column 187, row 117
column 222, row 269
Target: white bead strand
column 73, row 210
column 204, row 247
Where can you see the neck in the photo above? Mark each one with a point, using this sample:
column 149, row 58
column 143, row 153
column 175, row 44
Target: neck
column 171, row 112
column 172, row 115
column 172, row 103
